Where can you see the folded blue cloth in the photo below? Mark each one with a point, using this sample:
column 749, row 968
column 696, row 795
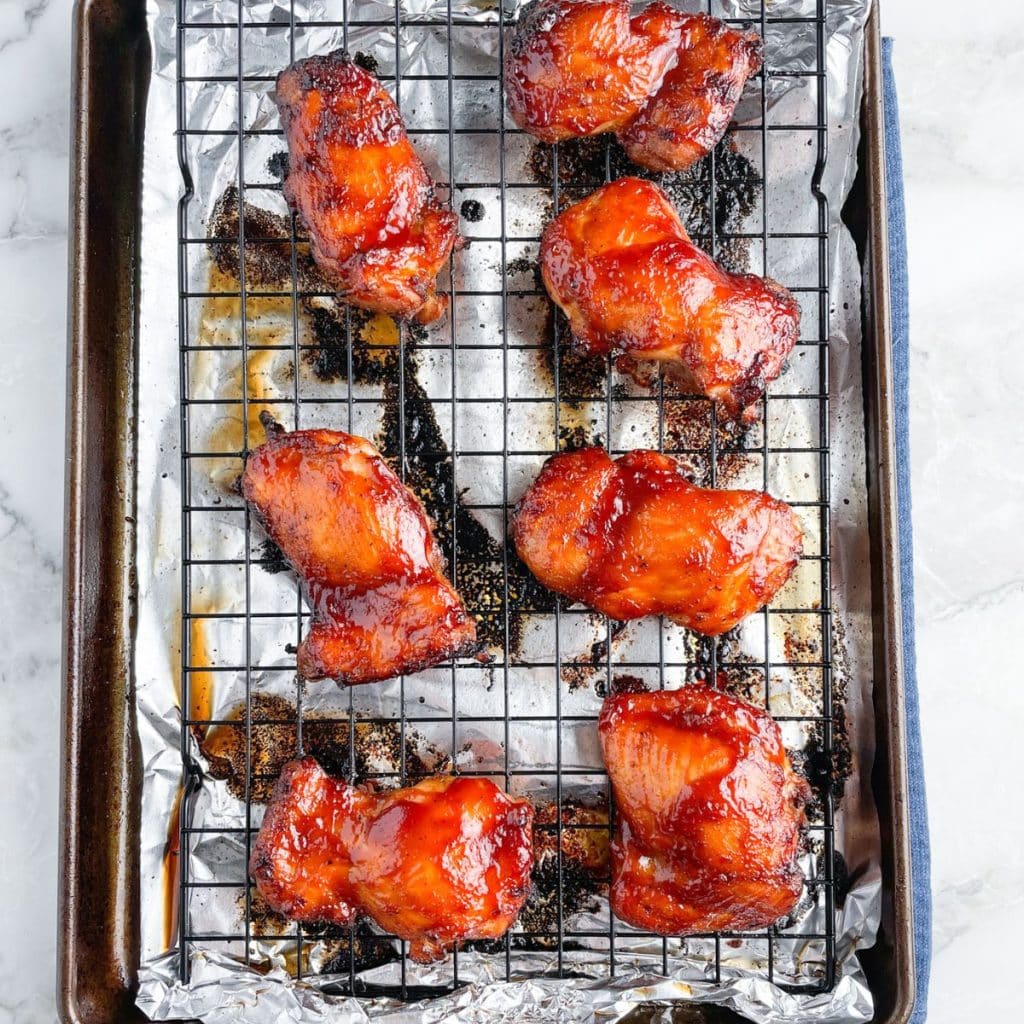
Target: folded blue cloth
column 919, row 850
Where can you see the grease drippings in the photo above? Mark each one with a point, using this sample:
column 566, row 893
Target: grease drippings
column 170, row 868
column 201, row 657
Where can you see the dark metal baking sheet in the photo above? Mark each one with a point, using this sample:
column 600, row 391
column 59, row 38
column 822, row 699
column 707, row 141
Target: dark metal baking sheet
column 99, row 873
column 99, row 883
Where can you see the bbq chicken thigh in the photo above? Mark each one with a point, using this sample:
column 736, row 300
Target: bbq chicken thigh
column 364, row 195
column 576, row 67
column 709, row 812
column 362, row 543
column 634, row 537
column 686, row 117
column 667, row 83
column 622, row 268
column 436, row 864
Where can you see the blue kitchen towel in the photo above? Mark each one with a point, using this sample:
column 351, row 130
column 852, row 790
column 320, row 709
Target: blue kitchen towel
column 919, row 852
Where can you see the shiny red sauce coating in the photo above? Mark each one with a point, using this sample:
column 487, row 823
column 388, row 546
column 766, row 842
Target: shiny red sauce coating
column 438, row 863
column 364, row 195
column 709, row 812
column 362, row 543
column 634, row 537
column 690, row 112
column 666, row 82
column 623, row 269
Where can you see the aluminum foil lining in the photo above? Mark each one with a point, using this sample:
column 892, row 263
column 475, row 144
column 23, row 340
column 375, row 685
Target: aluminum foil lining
column 221, row 985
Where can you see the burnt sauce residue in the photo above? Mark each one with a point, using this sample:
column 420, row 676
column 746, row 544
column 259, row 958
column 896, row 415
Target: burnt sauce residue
column 583, row 165
column 562, row 887
column 594, row 663
column 377, row 747
column 268, row 250
column 370, row 349
column 354, row 949
column 586, row 164
column 472, row 210
column 272, row 559
column 339, row 950
column 578, row 876
column 480, row 567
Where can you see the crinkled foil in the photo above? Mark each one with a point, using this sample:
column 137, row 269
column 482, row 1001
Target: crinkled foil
column 222, row 986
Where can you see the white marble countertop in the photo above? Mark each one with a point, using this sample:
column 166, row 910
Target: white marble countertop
column 964, row 154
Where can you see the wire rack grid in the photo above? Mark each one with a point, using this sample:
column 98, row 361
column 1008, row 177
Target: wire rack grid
column 234, row 20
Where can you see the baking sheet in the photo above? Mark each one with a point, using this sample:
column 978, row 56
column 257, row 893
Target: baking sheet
column 220, row 983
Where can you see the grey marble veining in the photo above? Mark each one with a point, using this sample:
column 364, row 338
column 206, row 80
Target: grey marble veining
column 35, row 48
column 959, row 79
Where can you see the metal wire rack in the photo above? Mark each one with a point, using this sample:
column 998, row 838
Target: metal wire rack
column 236, row 23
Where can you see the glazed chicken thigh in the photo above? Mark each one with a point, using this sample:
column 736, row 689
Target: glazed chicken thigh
column 686, row 117
column 623, row 270
column 437, row 863
column 364, row 195
column 622, row 267
column 575, row 67
column 709, row 812
column 634, row 537
column 362, row 543
column 667, row 83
